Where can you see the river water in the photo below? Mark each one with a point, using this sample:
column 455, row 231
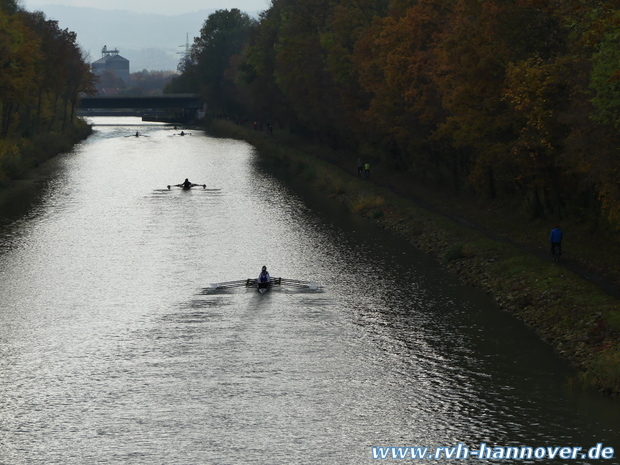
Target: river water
column 114, row 350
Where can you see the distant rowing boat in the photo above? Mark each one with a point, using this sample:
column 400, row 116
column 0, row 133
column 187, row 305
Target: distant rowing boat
column 187, row 187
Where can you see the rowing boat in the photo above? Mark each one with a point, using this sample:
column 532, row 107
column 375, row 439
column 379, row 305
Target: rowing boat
column 187, row 187
column 264, row 287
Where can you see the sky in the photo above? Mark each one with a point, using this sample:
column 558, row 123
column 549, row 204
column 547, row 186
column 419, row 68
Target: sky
column 161, row 7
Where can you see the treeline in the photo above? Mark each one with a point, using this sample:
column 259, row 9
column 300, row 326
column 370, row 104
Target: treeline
column 150, row 82
column 42, row 73
column 140, row 83
column 516, row 99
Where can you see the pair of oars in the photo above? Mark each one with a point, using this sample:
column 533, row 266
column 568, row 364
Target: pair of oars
column 204, row 186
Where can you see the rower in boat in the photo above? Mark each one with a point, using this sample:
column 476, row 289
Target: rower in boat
column 187, row 185
column 263, row 280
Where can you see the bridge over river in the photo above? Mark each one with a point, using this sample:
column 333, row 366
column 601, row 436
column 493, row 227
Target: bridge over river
column 179, row 107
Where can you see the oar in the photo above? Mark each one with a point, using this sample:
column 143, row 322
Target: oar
column 252, row 282
column 299, row 284
column 227, row 284
column 204, row 186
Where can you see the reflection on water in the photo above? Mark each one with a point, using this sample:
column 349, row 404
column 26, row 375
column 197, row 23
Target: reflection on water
column 113, row 353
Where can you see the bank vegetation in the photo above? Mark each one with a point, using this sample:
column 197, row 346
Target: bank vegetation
column 42, row 74
column 511, row 99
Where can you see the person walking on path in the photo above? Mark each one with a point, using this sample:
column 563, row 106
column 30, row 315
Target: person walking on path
column 367, row 170
column 360, row 167
column 555, row 238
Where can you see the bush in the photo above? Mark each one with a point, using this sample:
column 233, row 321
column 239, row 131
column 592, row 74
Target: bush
column 455, row 253
column 604, row 370
column 11, row 165
column 367, row 202
column 19, row 156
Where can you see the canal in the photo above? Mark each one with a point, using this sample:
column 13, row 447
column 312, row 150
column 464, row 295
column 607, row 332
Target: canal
column 114, row 349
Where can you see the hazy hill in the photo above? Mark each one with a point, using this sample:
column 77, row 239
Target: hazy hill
column 148, row 41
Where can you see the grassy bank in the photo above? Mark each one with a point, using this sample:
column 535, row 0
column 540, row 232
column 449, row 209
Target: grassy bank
column 18, row 157
column 574, row 315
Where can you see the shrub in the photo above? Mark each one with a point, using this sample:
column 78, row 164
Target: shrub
column 11, row 165
column 455, row 253
column 604, row 370
column 367, row 202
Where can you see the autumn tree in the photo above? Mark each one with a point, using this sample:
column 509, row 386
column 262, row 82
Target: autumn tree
column 511, row 99
column 592, row 150
column 42, row 74
column 396, row 62
column 19, row 51
column 62, row 70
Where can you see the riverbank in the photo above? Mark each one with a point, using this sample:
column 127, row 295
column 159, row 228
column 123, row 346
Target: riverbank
column 572, row 306
column 19, row 157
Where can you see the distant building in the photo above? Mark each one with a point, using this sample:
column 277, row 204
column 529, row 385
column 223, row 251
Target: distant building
column 113, row 63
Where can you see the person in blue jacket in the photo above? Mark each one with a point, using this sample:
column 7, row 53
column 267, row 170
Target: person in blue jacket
column 555, row 238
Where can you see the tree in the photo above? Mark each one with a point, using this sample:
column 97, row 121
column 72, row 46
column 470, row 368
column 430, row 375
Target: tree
column 300, row 71
column 9, row 6
column 257, row 72
column 397, row 66
column 345, row 25
column 223, row 35
column 19, row 51
column 538, row 95
column 150, row 82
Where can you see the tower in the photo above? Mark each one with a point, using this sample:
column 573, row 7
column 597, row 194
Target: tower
column 113, row 63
